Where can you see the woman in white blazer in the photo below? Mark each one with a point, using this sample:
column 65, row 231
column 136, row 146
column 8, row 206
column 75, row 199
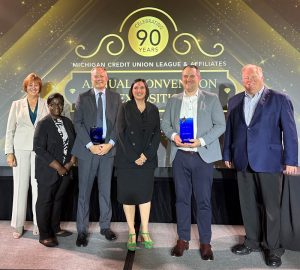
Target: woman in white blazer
column 23, row 117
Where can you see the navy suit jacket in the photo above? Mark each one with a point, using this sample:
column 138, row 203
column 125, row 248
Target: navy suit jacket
column 269, row 142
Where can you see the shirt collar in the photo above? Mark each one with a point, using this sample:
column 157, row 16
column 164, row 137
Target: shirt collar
column 195, row 95
column 258, row 94
column 96, row 91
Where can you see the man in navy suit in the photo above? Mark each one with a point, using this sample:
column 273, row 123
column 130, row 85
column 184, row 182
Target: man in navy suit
column 260, row 143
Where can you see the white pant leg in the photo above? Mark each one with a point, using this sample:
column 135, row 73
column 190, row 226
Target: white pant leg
column 21, row 174
column 33, row 187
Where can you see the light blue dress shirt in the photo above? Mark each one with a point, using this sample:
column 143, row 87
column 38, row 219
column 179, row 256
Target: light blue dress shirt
column 250, row 103
column 103, row 99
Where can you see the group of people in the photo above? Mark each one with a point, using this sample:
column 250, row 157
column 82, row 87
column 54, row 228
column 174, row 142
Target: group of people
column 260, row 143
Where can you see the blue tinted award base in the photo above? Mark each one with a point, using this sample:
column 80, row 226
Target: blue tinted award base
column 186, row 129
column 96, row 135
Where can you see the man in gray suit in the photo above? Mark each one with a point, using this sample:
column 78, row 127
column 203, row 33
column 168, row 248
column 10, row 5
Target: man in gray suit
column 98, row 107
column 193, row 160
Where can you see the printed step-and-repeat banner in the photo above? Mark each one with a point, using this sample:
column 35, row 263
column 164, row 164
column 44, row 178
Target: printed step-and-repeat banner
column 63, row 40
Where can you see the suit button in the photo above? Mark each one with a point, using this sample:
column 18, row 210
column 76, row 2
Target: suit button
column 131, row 132
column 133, row 144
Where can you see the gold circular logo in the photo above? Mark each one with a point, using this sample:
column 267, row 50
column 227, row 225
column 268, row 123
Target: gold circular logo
column 148, row 36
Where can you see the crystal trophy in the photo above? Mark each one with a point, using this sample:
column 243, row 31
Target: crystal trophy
column 96, row 135
column 186, row 129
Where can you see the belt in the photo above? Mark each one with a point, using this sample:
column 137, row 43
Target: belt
column 188, row 152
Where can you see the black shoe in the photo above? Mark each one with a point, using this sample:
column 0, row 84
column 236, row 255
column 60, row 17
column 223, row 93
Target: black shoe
column 81, row 240
column 273, row 260
column 49, row 242
column 63, row 233
column 109, row 234
column 55, row 240
column 242, row 249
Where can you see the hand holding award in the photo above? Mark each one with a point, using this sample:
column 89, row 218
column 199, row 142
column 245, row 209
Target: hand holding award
column 186, row 129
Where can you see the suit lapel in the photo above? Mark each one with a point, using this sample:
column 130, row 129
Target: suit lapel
column 201, row 107
column 177, row 111
column 25, row 109
column 56, row 133
column 108, row 107
column 39, row 111
column 92, row 99
column 136, row 112
column 260, row 105
column 92, row 104
column 240, row 108
column 69, row 132
column 201, row 103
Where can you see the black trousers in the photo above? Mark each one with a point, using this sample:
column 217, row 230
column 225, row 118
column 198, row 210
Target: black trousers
column 48, row 206
column 260, row 199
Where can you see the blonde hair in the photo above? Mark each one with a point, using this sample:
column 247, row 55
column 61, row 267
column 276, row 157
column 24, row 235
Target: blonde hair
column 257, row 69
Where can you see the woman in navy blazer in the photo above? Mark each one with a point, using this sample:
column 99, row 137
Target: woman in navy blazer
column 53, row 142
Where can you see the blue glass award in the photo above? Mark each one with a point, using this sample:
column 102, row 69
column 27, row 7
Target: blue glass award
column 186, row 129
column 96, row 135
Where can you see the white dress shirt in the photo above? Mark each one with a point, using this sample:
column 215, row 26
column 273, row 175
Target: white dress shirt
column 189, row 109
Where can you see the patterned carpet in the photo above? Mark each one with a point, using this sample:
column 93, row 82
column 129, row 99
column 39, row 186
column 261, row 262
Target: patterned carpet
column 28, row 253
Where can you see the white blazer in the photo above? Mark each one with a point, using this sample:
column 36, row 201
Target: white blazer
column 20, row 130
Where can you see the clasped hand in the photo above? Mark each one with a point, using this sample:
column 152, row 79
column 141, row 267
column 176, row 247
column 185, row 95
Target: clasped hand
column 141, row 160
column 101, row 149
column 62, row 171
column 193, row 142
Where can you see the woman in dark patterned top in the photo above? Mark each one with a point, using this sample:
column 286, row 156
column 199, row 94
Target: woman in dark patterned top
column 53, row 141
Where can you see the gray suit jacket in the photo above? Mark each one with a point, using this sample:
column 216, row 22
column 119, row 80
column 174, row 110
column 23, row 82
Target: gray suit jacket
column 85, row 118
column 210, row 124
